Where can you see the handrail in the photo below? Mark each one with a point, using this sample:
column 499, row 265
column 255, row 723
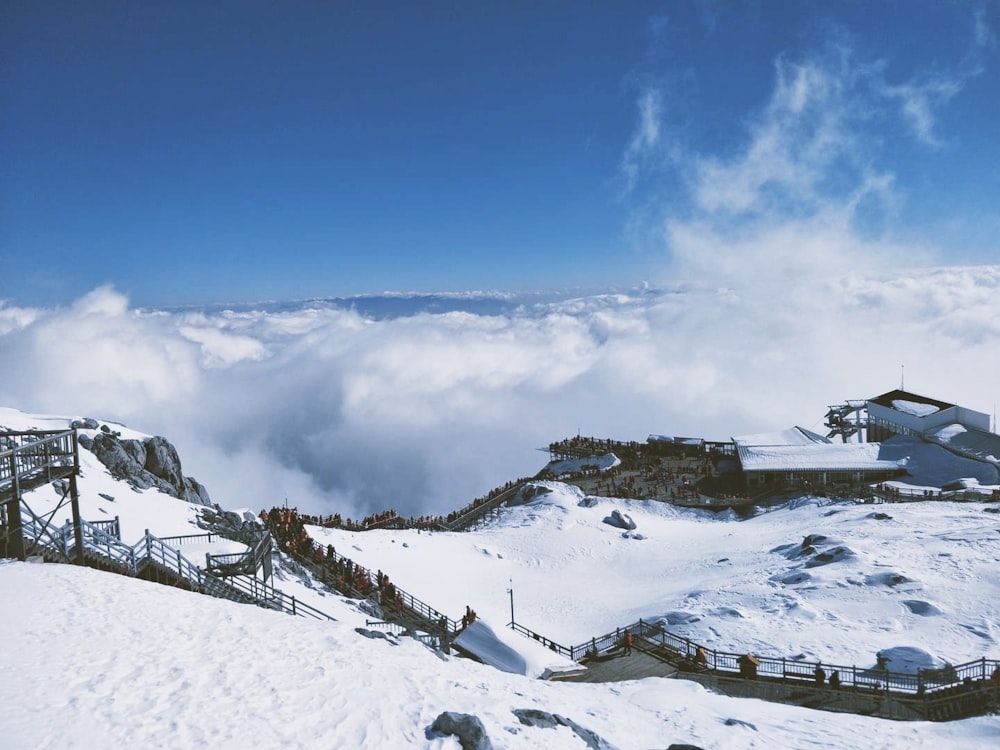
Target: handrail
column 903, row 495
column 925, row 683
column 102, row 539
column 426, row 613
column 246, row 562
column 188, row 539
column 474, row 513
column 30, row 455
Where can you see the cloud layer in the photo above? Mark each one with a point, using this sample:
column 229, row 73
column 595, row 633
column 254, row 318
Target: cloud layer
column 423, row 412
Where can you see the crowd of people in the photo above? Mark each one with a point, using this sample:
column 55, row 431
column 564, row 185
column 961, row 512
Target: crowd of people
column 287, row 526
column 391, row 519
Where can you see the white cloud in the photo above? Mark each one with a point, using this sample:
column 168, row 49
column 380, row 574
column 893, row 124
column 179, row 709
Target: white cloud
column 645, row 140
column 425, row 412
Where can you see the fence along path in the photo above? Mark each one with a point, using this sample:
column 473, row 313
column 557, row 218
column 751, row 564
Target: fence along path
column 953, row 692
column 103, row 547
column 329, row 565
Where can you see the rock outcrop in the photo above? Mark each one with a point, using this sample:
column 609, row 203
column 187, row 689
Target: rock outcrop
column 621, row 520
column 152, row 462
column 533, row 717
column 467, row 728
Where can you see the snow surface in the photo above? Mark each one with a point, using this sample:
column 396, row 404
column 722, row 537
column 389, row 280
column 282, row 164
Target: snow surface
column 815, row 456
column 600, row 463
column 916, row 408
column 984, row 446
column 102, row 660
column 791, row 436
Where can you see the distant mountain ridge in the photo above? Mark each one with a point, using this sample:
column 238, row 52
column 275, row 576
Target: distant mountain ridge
column 388, row 306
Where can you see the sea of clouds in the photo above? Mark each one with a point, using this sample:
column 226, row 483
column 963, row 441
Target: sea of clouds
column 334, row 410
column 778, row 295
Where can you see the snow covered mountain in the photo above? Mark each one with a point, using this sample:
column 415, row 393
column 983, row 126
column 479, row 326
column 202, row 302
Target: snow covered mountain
column 103, row 660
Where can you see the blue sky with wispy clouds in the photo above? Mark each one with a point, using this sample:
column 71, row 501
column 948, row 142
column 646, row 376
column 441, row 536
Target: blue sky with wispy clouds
column 192, row 153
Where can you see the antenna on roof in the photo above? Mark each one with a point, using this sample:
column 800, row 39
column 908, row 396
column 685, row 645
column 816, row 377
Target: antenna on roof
column 902, row 375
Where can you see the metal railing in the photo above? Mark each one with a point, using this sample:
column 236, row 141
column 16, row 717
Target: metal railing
column 476, row 512
column 906, row 495
column 938, row 693
column 102, row 540
column 243, row 563
column 322, row 562
column 28, row 458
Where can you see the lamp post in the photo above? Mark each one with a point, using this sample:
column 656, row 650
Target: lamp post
column 511, row 592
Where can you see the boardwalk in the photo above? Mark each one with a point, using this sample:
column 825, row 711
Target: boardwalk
column 617, row 667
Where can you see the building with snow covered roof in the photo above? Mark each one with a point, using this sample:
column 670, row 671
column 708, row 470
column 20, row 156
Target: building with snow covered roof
column 903, row 413
column 797, row 457
column 962, row 431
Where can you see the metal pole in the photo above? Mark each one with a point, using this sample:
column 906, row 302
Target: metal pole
column 75, row 505
column 16, row 532
column 511, row 592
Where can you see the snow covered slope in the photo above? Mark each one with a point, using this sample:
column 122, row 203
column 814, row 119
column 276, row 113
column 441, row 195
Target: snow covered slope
column 102, row 660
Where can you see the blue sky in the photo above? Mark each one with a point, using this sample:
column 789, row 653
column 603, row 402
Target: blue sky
column 203, row 152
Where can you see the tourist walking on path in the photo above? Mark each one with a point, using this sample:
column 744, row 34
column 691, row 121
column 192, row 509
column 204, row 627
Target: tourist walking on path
column 628, row 642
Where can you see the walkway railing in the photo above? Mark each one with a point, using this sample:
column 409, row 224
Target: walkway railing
column 941, row 693
column 323, row 562
column 30, row 459
column 103, row 540
column 905, row 495
column 472, row 515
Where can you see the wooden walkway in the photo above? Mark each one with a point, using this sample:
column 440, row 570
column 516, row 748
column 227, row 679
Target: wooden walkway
column 616, row 667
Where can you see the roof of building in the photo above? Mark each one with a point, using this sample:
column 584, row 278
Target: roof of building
column 791, row 436
column 910, row 403
column 984, row 446
column 676, row 440
column 815, row 457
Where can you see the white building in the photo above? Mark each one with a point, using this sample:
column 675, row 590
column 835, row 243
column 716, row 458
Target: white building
column 960, row 430
column 796, row 458
column 904, row 413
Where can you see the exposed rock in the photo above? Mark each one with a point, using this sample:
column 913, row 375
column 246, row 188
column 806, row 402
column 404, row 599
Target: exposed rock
column 146, row 463
column 889, row 578
column 84, row 424
column 375, row 634
column 922, row 608
column 677, row 746
column 814, row 557
column 468, row 728
column 791, row 579
column 621, row 520
column 533, row 717
column 527, row 493
column 232, row 525
column 837, row 554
